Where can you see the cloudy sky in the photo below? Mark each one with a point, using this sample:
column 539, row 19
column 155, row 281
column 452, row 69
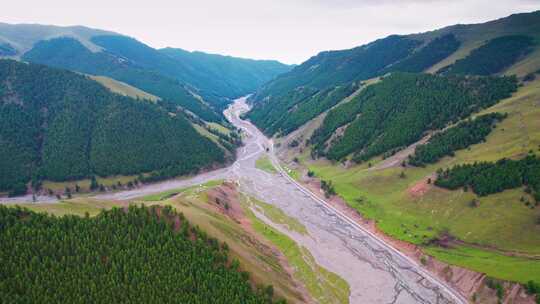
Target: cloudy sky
column 287, row 30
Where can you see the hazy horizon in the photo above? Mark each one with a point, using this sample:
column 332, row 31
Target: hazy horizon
column 284, row 31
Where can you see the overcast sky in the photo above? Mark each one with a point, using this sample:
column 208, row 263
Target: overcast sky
column 287, row 30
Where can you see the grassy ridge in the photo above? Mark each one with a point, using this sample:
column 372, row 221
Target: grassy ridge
column 124, row 88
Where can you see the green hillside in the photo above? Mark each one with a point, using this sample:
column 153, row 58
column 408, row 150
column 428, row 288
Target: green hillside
column 225, row 75
column 506, row 46
column 490, row 225
column 113, row 257
column 400, row 109
column 70, row 54
column 493, row 57
column 169, row 73
column 60, row 125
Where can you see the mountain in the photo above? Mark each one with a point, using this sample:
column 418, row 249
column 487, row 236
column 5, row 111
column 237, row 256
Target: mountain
column 433, row 138
column 200, row 83
column 225, row 75
column 22, row 37
column 59, row 125
column 506, row 46
column 71, row 54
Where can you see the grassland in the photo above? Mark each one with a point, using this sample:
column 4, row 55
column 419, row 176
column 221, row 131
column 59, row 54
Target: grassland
column 265, row 164
column 84, row 184
column 496, row 265
column 276, row 215
column 409, row 209
column 125, row 89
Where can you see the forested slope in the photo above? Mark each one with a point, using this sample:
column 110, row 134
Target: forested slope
column 70, row 54
column 139, row 255
column 168, row 73
column 507, row 44
column 59, row 125
column 225, row 75
column 397, row 111
column 493, row 57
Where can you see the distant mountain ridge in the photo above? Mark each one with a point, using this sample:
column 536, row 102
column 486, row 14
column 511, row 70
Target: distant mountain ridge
column 171, row 74
column 507, row 46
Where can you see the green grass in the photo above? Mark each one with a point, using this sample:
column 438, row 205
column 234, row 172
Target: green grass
column 501, row 220
column 218, row 127
column 496, row 265
column 77, row 206
column 293, row 173
column 125, row 89
column 265, row 164
column 323, row 285
column 277, row 216
column 84, row 184
column 173, row 192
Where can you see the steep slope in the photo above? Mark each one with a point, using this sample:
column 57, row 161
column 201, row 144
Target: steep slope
column 228, row 76
column 69, row 53
column 113, row 257
column 170, row 73
column 22, row 37
column 400, row 109
column 125, row 89
column 60, row 125
column 506, row 46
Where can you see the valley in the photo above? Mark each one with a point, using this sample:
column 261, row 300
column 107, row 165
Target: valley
column 332, row 236
column 403, row 170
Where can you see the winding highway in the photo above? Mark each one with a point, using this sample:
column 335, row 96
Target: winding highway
column 374, row 270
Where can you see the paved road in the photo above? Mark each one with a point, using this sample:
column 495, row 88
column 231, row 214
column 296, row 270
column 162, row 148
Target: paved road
column 376, row 272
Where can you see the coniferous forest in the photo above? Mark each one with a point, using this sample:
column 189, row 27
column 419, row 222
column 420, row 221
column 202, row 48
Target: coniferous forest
column 492, row 177
column 59, row 125
column 400, row 109
column 135, row 255
column 493, row 57
column 461, row 136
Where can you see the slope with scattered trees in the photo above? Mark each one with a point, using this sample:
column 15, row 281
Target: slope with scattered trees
column 397, row 111
column 455, row 138
column 288, row 113
column 493, row 57
column 492, row 177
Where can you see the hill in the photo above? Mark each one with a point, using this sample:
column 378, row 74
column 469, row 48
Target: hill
column 435, row 144
column 125, row 89
column 226, row 75
column 59, row 125
column 69, row 53
column 113, row 257
column 173, row 74
column 509, row 46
